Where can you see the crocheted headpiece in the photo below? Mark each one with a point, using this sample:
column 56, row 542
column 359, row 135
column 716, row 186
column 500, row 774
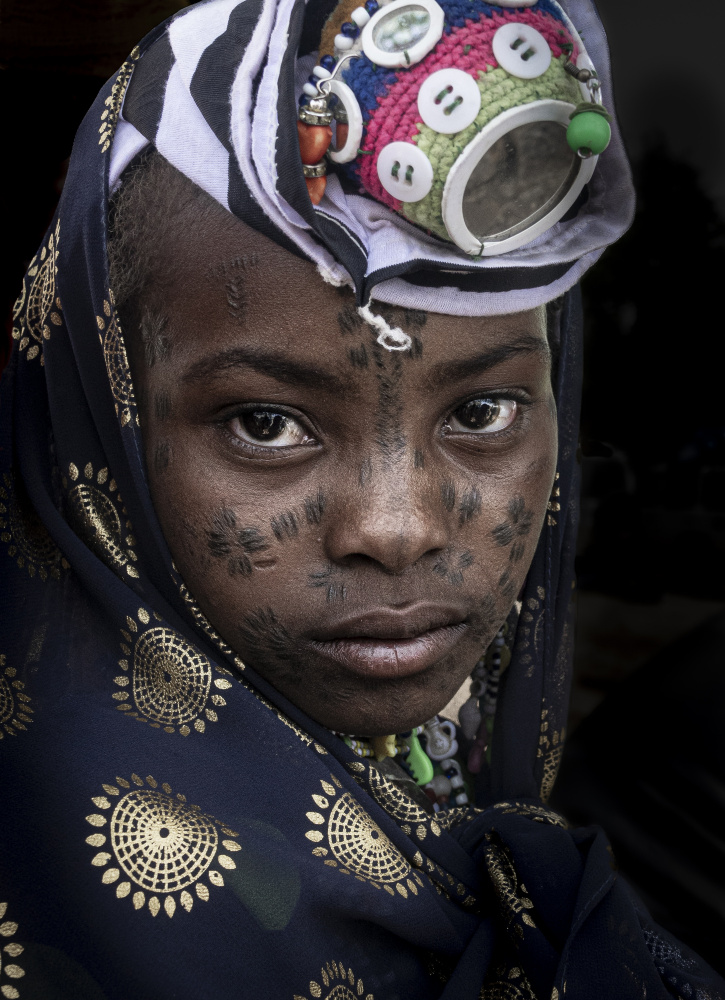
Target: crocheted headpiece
column 479, row 122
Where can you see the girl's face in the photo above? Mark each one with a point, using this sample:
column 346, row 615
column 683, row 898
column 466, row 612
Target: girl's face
column 356, row 523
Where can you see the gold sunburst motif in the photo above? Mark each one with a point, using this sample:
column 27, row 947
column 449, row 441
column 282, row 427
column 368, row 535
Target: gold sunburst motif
column 117, row 367
column 155, row 848
column 10, row 951
column 112, row 104
column 414, row 820
column 37, row 309
column 25, row 535
column 336, row 983
column 97, row 514
column 351, row 841
column 166, row 682
column 15, row 707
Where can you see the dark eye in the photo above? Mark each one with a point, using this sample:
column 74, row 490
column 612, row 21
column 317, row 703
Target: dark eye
column 482, row 416
column 269, row 428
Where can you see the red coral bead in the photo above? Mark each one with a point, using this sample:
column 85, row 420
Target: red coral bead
column 316, row 188
column 314, row 141
column 341, row 135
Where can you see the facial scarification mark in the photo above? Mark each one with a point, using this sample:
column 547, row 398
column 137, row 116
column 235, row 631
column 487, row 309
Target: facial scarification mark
column 324, row 578
column 418, row 459
column 263, row 631
column 511, row 532
column 415, row 318
column 315, row 508
column 366, row 472
column 388, row 419
column 235, row 545
column 358, row 356
column 284, row 526
column 448, row 495
column 245, row 262
column 162, row 456
column 236, row 300
column 507, row 585
column 349, row 320
column 469, row 506
column 336, row 592
column 451, row 566
column 516, row 525
column 157, row 347
column 162, row 406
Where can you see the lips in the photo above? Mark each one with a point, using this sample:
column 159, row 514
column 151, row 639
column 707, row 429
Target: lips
column 386, row 643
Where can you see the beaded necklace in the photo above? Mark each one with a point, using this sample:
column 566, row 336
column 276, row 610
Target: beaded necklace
column 434, row 755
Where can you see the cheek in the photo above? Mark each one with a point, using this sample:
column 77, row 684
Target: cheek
column 499, row 521
column 235, row 556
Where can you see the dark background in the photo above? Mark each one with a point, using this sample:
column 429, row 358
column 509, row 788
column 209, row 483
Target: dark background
column 647, row 757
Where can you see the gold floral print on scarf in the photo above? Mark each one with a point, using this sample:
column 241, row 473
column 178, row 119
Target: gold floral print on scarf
column 550, row 748
column 351, row 841
column 10, row 972
column 96, row 512
column 336, row 983
column 25, row 535
column 530, row 630
column 554, row 504
column 37, row 309
column 112, row 109
column 166, row 682
column 119, row 372
column 15, row 707
column 204, row 624
column 509, row 984
column 513, row 896
column 155, row 848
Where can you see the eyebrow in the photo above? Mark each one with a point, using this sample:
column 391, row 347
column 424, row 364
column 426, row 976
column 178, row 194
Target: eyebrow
column 454, row 371
column 276, row 365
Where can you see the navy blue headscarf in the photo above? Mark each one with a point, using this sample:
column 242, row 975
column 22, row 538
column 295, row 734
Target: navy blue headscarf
column 171, row 825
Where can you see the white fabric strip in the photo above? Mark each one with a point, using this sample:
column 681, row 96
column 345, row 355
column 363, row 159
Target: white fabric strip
column 194, row 32
column 187, row 141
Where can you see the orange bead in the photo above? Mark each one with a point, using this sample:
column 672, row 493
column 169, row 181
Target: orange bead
column 314, row 141
column 316, row 188
column 341, row 135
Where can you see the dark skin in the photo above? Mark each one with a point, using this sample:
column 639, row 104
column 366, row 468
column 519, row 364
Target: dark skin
column 300, row 489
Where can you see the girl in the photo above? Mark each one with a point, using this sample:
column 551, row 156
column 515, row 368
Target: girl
column 286, row 458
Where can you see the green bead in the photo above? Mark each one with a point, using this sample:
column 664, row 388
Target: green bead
column 418, row 761
column 589, row 130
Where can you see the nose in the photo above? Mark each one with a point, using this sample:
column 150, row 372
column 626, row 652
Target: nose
column 393, row 521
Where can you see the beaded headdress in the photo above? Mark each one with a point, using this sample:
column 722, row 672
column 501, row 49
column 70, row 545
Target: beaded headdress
column 225, row 78
column 479, row 122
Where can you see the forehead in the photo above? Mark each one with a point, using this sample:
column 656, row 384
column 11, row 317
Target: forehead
column 234, row 285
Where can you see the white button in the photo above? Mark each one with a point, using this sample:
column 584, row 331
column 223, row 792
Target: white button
column 521, row 50
column 405, row 171
column 403, row 32
column 449, row 100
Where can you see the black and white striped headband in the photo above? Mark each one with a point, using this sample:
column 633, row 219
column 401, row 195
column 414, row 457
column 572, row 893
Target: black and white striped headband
column 216, row 91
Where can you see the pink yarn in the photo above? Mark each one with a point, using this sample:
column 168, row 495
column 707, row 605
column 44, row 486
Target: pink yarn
column 398, row 119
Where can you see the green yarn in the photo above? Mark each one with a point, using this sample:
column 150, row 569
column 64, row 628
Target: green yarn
column 499, row 92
